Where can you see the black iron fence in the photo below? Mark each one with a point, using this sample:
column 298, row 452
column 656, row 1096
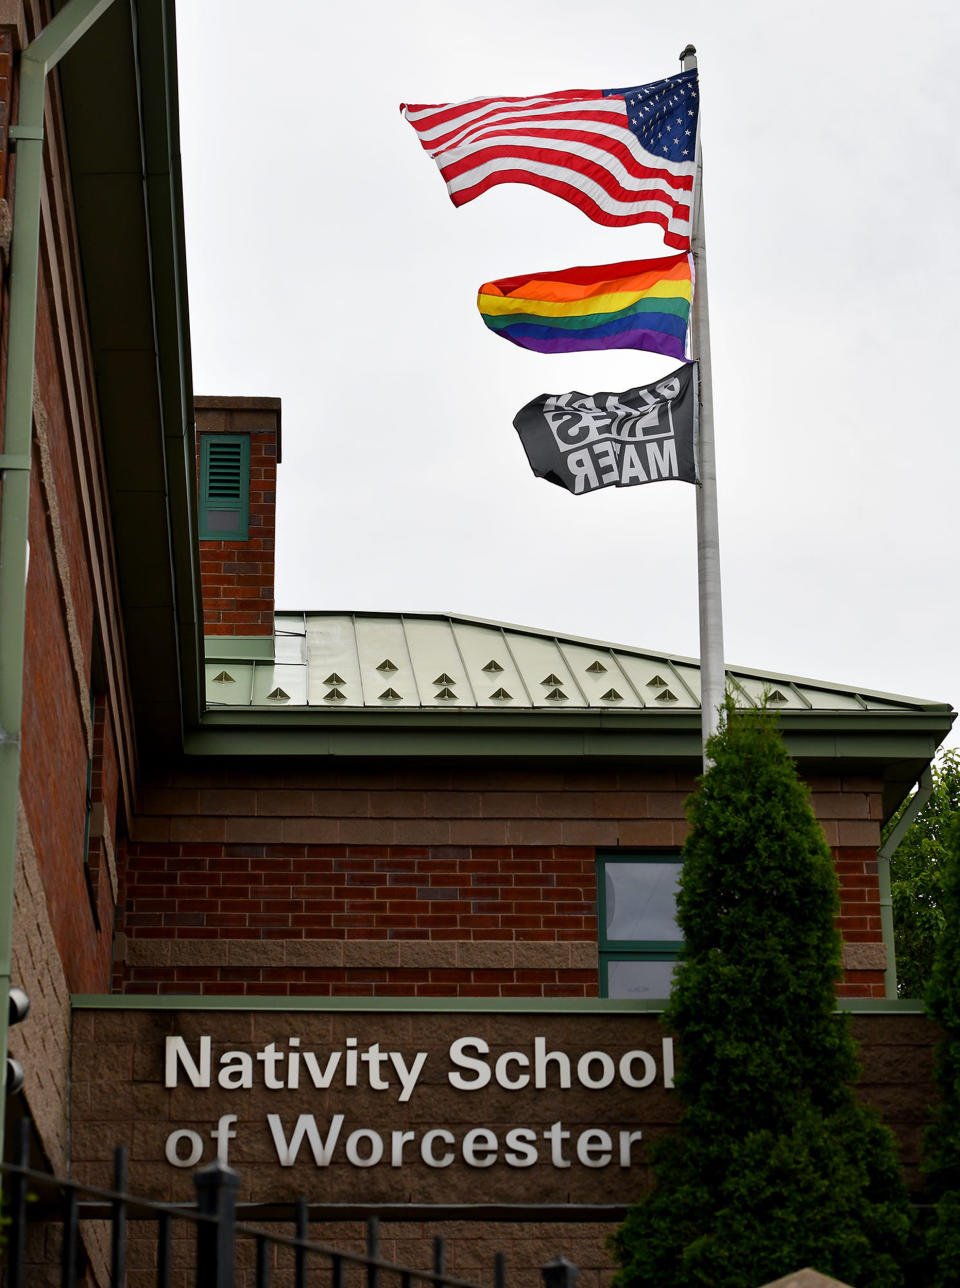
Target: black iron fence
column 223, row 1251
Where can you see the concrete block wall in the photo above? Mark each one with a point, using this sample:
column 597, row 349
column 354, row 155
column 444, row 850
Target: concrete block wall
column 119, row 1096
column 470, row 1250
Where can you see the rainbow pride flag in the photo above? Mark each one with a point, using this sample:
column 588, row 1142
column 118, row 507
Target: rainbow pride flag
column 639, row 304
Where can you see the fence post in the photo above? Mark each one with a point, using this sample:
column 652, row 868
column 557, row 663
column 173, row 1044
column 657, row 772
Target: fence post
column 118, row 1220
column 302, row 1219
column 500, row 1270
column 373, row 1249
column 16, row 1195
column 559, row 1273
column 217, row 1199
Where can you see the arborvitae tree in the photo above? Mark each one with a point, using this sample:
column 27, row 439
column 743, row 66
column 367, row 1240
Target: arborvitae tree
column 943, row 1136
column 775, row 1165
column 916, row 872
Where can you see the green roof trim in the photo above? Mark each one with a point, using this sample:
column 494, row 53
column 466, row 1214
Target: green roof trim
column 120, row 98
column 428, row 1005
column 241, row 648
column 432, row 1005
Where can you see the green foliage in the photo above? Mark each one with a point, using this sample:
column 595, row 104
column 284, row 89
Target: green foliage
column 916, row 878
column 775, row 1165
column 943, row 1136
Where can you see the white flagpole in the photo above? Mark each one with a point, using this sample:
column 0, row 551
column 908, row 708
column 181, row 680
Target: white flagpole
column 712, row 679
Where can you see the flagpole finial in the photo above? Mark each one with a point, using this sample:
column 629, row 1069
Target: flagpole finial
column 688, row 57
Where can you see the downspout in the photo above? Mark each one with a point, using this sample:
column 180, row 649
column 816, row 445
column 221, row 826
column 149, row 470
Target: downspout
column 36, row 61
column 884, row 855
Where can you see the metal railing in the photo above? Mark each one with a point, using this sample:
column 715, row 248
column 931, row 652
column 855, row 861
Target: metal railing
column 217, row 1256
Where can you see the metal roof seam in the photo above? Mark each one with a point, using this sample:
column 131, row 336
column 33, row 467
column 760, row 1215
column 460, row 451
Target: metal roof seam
column 573, row 674
column 679, row 674
column 630, row 684
column 463, row 661
column 516, row 667
column 413, row 669
column 356, row 653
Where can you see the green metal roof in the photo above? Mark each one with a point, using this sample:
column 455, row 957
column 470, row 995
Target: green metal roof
column 440, row 662
column 443, row 686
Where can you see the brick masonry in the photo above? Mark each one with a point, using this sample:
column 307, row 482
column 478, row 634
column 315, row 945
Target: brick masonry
column 6, row 105
column 42, row 1044
column 62, row 921
column 242, row 882
column 237, row 576
column 66, row 631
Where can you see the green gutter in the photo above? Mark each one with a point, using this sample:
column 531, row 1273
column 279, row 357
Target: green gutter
column 884, row 855
column 36, row 61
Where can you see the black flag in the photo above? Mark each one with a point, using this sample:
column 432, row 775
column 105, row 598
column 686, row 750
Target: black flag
column 584, row 442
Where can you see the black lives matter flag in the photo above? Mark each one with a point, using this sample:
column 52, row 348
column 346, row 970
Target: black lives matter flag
column 584, row 442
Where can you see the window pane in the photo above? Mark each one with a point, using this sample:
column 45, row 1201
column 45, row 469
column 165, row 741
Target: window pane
column 642, row 901
column 639, row 978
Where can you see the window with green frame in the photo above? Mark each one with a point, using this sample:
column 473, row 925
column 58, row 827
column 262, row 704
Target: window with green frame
column 224, row 508
column 637, row 920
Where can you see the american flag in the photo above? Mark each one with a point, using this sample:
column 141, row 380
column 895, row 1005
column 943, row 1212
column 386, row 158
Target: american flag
column 623, row 156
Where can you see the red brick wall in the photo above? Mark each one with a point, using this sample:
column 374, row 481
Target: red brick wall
column 54, row 760
column 859, row 892
column 6, row 95
column 315, row 892
column 417, row 880
column 105, row 823
column 237, row 576
column 70, row 593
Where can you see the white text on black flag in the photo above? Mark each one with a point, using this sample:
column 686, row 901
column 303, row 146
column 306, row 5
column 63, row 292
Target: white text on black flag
column 584, row 442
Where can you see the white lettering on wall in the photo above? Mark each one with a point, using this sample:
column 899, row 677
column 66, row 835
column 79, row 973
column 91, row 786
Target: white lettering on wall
column 596, row 1081
column 373, row 1147
column 306, row 1125
column 521, row 1147
column 439, row 1147
column 480, row 1146
column 474, row 1063
column 172, row 1148
column 459, row 1057
column 176, row 1052
column 426, row 1147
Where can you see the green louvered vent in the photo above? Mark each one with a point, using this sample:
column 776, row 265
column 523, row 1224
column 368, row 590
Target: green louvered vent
column 224, row 487
column 224, row 478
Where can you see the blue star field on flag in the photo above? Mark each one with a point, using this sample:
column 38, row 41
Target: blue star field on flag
column 663, row 114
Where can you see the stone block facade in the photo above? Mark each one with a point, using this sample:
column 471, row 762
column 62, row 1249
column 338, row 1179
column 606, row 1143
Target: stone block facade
column 530, row 1214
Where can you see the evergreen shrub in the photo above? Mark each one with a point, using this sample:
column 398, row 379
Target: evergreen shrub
column 775, row 1164
column 943, row 1136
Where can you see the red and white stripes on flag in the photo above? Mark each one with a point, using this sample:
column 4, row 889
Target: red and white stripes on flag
column 617, row 154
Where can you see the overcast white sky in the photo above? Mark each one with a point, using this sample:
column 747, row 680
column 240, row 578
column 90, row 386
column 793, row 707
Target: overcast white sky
column 328, row 267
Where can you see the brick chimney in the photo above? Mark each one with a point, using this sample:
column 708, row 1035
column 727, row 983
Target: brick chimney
column 238, row 450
